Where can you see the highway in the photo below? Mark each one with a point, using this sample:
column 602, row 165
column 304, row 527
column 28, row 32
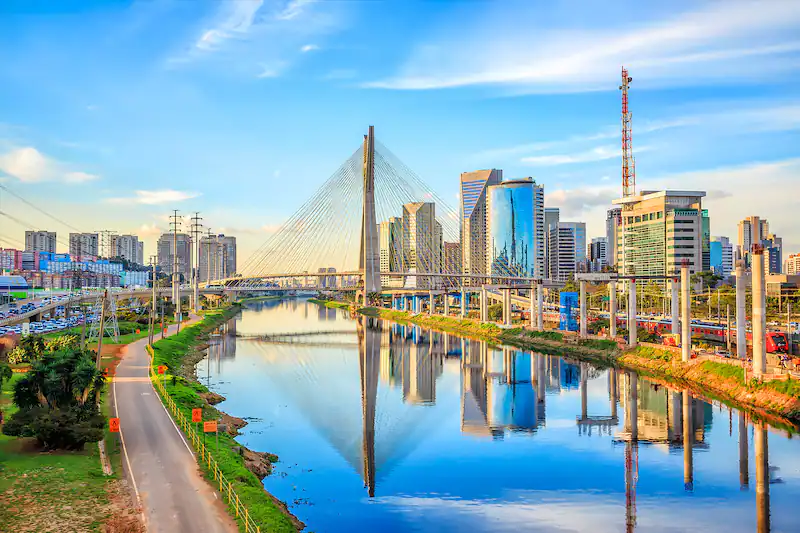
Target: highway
column 159, row 463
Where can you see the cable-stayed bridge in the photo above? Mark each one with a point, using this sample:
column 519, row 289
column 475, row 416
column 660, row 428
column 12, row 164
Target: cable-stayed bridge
column 373, row 227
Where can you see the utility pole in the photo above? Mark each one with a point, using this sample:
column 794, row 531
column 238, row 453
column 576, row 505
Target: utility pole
column 102, row 327
column 176, row 288
column 728, row 327
column 789, row 327
column 196, row 225
column 153, row 302
column 208, row 255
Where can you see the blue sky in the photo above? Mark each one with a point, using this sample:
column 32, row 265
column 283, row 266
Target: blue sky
column 113, row 113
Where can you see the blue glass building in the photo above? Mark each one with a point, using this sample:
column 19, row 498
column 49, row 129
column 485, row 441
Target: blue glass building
column 511, row 233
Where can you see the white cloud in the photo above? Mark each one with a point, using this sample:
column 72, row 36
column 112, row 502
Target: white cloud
column 269, row 72
column 232, row 22
column 156, row 197
column 149, row 230
column 293, row 9
column 79, row 177
column 598, row 153
column 577, row 202
column 29, row 165
column 309, row 48
column 716, row 42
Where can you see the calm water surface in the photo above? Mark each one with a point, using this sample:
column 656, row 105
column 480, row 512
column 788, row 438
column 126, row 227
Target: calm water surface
column 383, row 427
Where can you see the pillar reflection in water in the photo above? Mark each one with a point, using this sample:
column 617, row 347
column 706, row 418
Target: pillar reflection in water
column 688, row 442
column 369, row 344
column 761, row 445
column 744, row 466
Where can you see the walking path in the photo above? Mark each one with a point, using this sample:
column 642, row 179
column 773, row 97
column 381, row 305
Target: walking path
column 158, row 460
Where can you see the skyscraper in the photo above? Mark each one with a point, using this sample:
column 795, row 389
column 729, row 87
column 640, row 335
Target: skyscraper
column 40, row 241
column 752, row 230
column 166, row 254
column 562, row 251
column 474, row 219
column 598, row 254
column 217, row 257
column 773, row 253
column 721, row 256
column 512, row 245
column 128, row 247
column 551, row 217
column 452, row 262
column 422, row 236
column 390, row 238
column 84, row 244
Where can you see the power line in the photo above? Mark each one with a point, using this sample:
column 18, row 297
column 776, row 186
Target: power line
column 29, row 204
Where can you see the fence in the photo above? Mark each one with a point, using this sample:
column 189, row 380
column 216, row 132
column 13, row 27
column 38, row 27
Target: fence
column 204, row 455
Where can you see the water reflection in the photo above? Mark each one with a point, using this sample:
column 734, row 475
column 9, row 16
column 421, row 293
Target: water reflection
column 407, row 381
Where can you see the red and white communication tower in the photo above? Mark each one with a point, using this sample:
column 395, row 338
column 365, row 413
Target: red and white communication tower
column 628, row 163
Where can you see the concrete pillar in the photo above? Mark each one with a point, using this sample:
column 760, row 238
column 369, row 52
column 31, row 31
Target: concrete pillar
column 675, row 307
column 761, row 446
column 613, row 391
column 759, row 324
column 584, row 392
column 633, row 379
column 446, row 304
column 533, row 306
column 540, row 307
column 463, row 303
column 741, row 317
column 612, row 307
column 688, row 442
column 744, row 461
column 431, row 303
column 583, row 328
column 686, row 315
column 484, row 305
column 632, row 327
column 506, row 293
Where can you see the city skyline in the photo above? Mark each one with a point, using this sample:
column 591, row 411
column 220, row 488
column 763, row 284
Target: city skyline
column 101, row 150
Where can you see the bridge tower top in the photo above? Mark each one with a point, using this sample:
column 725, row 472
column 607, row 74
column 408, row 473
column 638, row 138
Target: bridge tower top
column 369, row 258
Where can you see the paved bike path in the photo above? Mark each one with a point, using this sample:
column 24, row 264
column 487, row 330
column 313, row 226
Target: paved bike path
column 157, row 458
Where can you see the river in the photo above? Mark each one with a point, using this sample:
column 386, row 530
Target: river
column 384, row 427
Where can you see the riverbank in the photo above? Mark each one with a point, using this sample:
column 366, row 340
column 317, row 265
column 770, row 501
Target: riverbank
column 243, row 467
column 333, row 304
column 254, row 299
column 776, row 400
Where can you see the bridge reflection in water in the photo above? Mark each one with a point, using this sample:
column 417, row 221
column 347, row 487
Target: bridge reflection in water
column 503, row 390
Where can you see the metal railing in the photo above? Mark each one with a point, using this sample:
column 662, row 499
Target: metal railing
column 203, row 453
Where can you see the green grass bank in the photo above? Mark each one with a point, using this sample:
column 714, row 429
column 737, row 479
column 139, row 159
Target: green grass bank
column 179, row 353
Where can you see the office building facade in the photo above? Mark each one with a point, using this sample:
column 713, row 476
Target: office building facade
column 40, row 241
column 551, row 216
column 722, row 256
column 613, row 222
column 792, row 265
column 752, row 230
column 390, row 239
column 598, row 254
column 474, row 219
column 567, row 243
column 659, row 231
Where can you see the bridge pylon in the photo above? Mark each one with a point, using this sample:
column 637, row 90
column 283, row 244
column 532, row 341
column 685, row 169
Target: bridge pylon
column 369, row 258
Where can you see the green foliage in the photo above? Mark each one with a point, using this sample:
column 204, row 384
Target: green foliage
column 708, row 279
column 723, row 370
column 598, row 344
column 496, row 312
column 58, row 401
column 63, row 342
column 647, row 336
column 547, row 335
column 30, row 348
column 648, row 352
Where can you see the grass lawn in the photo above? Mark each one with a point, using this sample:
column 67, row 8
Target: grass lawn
column 61, row 491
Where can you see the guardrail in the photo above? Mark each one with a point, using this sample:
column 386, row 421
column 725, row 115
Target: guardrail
column 204, row 455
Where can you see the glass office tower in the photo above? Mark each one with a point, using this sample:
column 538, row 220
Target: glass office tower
column 511, row 246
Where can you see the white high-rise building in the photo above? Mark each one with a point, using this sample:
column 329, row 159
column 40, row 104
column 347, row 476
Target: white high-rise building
column 128, row 247
column 474, row 219
column 422, row 241
column 217, row 257
column 40, row 241
column 167, row 253
column 567, row 243
column 84, row 245
column 551, row 216
column 613, row 222
column 598, row 254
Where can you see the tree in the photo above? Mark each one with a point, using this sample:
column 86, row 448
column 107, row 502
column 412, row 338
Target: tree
column 496, row 312
column 58, row 401
column 707, row 277
column 30, row 348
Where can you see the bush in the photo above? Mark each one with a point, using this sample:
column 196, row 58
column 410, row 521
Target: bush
column 64, row 429
column 63, row 342
column 496, row 312
column 58, row 401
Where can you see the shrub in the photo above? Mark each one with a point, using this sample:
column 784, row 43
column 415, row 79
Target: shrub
column 496, row 312
column 58, row 401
